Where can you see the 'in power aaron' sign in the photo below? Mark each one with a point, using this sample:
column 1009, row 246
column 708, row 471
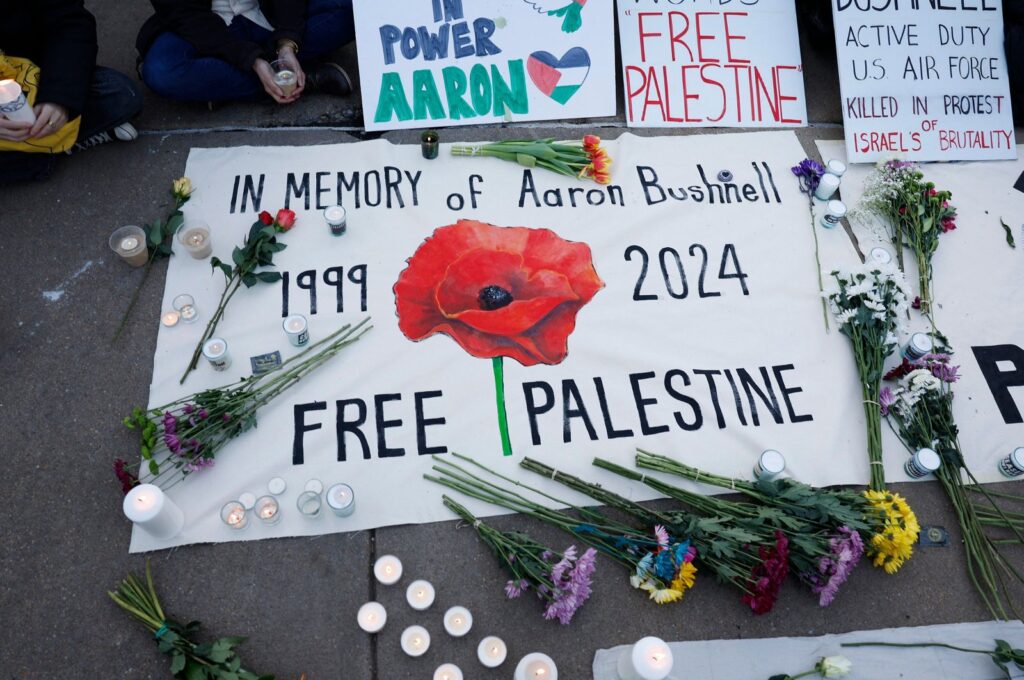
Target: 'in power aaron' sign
column 432, row 63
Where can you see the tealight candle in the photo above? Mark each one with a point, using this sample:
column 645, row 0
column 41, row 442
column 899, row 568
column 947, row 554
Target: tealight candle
column 415, row 640
column 195, row 237
column 420, row 595
column 341, row 499
column 277, row 486
column 216, row 352
column 185, row 305
column 387, row 570
column 337, row 219
column 315, row 485
column 297, row 330
column 649, row 659
column 268, row 510
column 457, row 621
column 492, row 651
column 247, row 499
column 448, row 671
column 233, row 514
column 170, row 319
column 880, row 256
column 536, row 666
column 770, row 464
column 372, row 616
column 130, row 244
column 152, row 511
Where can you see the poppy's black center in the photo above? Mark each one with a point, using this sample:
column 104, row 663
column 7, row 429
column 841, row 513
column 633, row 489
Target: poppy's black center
column 494, row 297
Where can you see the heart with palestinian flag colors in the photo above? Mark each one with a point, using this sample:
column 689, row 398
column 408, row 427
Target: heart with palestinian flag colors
column 558, row 78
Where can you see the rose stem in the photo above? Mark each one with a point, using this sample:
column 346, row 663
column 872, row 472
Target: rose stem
column 499, row 393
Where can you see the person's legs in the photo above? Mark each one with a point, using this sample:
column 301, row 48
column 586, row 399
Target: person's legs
column 25, row 167
column 329, row 25
column 113, row 99
column 173, row 70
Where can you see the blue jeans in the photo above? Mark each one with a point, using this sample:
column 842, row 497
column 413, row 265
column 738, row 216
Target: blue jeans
column 114, row 98
column 173, row 69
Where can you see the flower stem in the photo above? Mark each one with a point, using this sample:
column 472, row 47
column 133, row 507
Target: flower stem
column 135, row 298
column 499, row 393
column 226, row 296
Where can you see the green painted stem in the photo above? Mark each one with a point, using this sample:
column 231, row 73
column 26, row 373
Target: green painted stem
column 499, row 393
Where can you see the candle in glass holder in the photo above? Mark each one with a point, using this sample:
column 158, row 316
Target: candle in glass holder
column 152, row 511
column 170, row 319
column 268, row 510
column 372, row 616
column 430, row 144
column 233, row 514
column 185, row 305
column 457, row 621
column 420, row 595
column 342, row 501
column 297, row 330
column 387, row 570
column 770, row 465
column 492, row 651
column 337, row 219
column 448, row 671
column 130, row 244
column 536, row 666
column 649, row 659
column 309, row 504
column 415, row 640
column 216, row 352
column 195, row 237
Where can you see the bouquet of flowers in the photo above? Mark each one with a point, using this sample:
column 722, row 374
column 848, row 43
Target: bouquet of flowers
column 822, row 558
column 158, row 236
column 215, row 660
column 257, row 252
column 920, row 412
column 808, row 173
column 870, row 306
column 747, row 554
column 887, row 526
column 560, row 579
column 660, row 565
column 916, row 213
column 585, row 159
column 184, row 437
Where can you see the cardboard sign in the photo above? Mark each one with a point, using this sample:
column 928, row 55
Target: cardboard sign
column 720, row 63
column 434, row 63
column 924, row 81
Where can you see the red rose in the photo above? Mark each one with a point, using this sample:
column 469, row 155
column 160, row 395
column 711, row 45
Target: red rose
column 497, row 291
column 285, row 219
column 266, row 218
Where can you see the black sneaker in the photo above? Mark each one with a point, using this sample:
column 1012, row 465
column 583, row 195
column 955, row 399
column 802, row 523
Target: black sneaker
column 125, row 132
column 330, row 78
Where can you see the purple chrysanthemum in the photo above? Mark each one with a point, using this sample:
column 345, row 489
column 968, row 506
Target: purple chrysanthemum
column 197, row 464
column 885, row 400
column 809, row 172
column 514, row 589
column 172, row 442
column 846, row 549
column 187, row 408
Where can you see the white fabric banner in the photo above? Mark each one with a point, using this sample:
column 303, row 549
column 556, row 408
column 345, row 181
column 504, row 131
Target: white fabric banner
column 716, row 368
column 711, row 64
column 978, row 282
column 764, row 657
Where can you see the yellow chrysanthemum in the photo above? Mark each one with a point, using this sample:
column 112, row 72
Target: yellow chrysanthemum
column 661, row 595
column 686, row 577
column 893, row 543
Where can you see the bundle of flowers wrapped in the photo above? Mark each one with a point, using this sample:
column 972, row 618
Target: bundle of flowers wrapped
column 916, row 213
column 660, row 565
column 870, row 306
column 184, row 437
column 585, row 159
column 886, row 525
column 920, row 411
column 747, row 554
column 822, row 557
column 561, row 579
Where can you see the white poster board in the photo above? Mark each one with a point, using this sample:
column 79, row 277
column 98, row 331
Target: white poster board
column 924, row 81
column 435, row 63
column 711, row 64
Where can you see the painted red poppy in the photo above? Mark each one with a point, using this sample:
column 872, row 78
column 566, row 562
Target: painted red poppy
column 497, row 291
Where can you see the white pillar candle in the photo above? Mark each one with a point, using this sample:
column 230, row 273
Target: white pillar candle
column 769, row 465
column 420, row 595
column 827, row 187
column 536, row 666
column 448, row 671
column 341, row 499
column 372, row 616
column 492, row 651
column 13, row 105
column 649, row 659
column 151, row 510
column 834, row 213
column 415, row 640
column 387, row 570
column 835, row 167
column 458, row 621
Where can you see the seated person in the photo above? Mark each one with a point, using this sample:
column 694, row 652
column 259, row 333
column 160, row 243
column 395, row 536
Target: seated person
column 203, row 51
column 59, row 37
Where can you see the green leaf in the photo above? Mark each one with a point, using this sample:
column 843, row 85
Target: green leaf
column 269, row 277
column 926, row 225
column 177, row 663
column 249, row 280
column 238, row 257
column 1009, row 233
column 128, row 423
column 194, row 671
column 155, row 236
column 173, row 224
column 154, row 468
